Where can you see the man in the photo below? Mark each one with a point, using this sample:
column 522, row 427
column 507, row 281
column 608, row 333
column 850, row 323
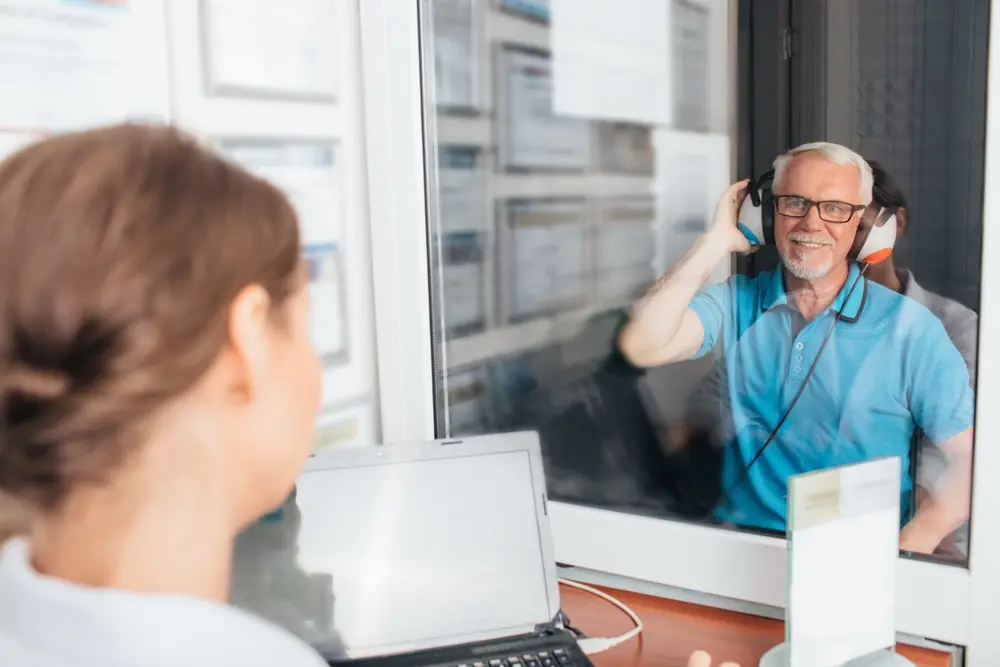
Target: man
column 886, row 364
column 707, row 418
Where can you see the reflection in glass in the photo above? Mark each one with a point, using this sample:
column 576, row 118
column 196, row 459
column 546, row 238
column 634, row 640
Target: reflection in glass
column 375, row 559
column 591, row 186
column 267, row 579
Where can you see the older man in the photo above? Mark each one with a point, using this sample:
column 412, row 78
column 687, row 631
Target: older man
column 883, row 363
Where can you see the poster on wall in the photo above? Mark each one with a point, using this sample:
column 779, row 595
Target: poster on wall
column 307, row 172
column 278, row 50
column 70, row 64
column 327, row 316
column 533, row 137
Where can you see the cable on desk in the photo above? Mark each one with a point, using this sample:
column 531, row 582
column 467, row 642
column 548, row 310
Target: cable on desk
column 592, row 645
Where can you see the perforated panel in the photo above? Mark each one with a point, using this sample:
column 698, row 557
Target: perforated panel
column 903, row 82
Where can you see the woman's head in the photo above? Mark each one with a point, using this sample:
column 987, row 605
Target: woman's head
column 152, row 321
column 887, row 192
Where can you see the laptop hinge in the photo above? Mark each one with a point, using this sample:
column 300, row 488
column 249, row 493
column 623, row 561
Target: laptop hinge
column 557, row 624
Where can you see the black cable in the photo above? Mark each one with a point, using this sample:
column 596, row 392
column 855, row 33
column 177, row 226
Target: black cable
column 563, row 618
column 802, row 387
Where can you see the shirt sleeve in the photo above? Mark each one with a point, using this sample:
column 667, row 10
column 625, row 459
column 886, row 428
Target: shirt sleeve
column 965, row 335
column 941, row 397
column 711, row 305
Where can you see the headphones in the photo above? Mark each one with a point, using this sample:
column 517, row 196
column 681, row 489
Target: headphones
column 873, row 241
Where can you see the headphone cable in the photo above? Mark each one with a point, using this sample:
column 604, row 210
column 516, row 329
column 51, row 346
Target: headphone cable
column 798, row 394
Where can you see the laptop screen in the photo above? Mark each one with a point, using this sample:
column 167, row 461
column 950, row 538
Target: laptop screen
column 383, row 558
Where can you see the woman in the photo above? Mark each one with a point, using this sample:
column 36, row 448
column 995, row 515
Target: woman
column 157, row 394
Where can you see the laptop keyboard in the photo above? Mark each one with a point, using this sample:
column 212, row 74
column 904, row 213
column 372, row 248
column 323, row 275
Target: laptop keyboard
column 552, row 658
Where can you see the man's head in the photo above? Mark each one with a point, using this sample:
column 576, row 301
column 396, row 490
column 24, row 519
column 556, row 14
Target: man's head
column 820, row 190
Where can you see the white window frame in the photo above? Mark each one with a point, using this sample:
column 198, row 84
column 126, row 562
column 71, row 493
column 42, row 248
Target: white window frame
column 942, row 603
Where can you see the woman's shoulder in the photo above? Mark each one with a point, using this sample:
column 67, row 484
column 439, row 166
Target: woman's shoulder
column 47, row 622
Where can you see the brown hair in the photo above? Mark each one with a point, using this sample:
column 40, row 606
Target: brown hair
column 121, row 249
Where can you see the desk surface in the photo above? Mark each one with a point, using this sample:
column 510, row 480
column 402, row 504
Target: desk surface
column 674, row 629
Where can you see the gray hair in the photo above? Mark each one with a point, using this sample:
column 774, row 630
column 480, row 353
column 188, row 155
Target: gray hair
column 830, row 152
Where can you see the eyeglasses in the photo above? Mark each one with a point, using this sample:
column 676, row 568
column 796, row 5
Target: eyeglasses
column 795, row 206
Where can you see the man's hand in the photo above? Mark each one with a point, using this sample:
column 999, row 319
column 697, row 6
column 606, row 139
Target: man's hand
column 940, row 513
column 723, row 229
column 702, row 659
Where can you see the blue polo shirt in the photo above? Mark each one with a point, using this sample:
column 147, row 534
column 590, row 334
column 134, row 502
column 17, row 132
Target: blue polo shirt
column 889, row 366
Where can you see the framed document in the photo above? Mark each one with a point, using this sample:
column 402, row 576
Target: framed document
column 625, row 247
column 462, row 235
column 463, row 286
column 537, row 10
column 462, row 196
column 327, row 313
column 307, row 171
column 468, row 401
column 531, row 136
column 262, row 48
column 457, row 39
column 546, row 256
column 691, row 59
column 70, row 65
column 611, row 60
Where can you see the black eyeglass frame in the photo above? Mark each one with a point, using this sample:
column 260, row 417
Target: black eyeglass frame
column 854, row 208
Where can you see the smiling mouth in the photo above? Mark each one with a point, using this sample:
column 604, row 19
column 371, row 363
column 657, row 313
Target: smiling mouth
column 810, row 244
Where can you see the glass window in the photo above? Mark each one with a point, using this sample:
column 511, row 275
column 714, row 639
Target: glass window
column 581, row 149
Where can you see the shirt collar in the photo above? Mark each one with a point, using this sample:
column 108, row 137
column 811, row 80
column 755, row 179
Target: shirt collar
column 774, row 295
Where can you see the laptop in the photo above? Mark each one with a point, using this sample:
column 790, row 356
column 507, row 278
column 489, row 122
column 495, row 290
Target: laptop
column 434, row 553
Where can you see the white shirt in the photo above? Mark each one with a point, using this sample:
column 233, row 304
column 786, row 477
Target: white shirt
column 47, row 622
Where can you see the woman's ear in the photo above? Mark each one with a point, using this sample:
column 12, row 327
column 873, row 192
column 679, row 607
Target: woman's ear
column 902, row 220
column 249, row 330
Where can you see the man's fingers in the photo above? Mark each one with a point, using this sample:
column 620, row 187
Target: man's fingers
column 700, row 659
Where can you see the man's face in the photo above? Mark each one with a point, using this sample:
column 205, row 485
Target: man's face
column 811, row 247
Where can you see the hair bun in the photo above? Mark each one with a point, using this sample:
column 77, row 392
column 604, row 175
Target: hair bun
column 33, row 383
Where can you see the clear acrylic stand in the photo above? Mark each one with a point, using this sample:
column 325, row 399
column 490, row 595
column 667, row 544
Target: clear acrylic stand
column 778, row 657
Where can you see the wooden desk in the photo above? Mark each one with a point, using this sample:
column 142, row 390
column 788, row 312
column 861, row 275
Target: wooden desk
column 673, row 630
